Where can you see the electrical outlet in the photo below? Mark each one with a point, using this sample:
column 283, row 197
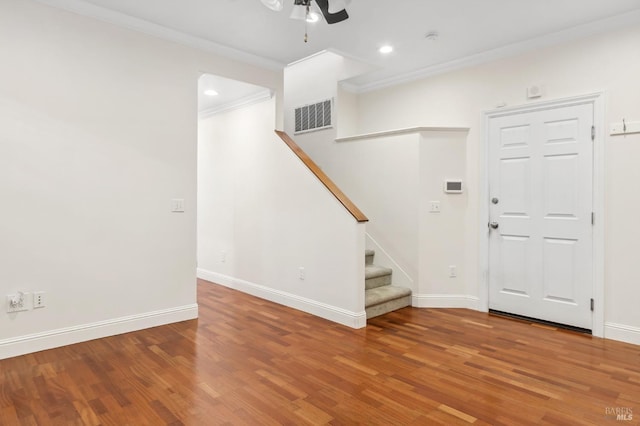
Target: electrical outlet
column 434, row 206
column 17, row 302
column 38, row 299
column 301, row 274
column 223, row 256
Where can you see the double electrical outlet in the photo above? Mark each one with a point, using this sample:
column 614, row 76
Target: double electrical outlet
column 20, row 301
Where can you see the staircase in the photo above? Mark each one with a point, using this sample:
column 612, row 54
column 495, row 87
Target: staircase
column 380, row 297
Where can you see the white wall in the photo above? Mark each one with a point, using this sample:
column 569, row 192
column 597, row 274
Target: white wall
column 442, row 235
column 262, row 215
column 309, row 81
column 346, row 113
column 394, row 179
column 315, row 79
column 382, row 176
column 608, row 62
column 97, row 135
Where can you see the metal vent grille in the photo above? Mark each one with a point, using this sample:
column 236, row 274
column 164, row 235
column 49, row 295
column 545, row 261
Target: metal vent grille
column 313, row 117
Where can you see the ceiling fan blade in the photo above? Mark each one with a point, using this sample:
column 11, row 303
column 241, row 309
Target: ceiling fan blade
column 332, row 18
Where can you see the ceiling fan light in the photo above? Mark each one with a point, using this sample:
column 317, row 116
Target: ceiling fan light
column 313, row 16
column 275, row 5
column 299, row 12
column 336, row 6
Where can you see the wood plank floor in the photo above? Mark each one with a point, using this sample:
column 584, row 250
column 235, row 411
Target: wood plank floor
column 248, row 361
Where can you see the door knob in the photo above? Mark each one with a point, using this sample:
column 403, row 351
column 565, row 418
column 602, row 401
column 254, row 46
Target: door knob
column 494, row 200
column 494, row 225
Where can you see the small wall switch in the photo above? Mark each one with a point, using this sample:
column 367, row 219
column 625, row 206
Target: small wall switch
column 434, row 206
column 453, row 271
column 177, row 205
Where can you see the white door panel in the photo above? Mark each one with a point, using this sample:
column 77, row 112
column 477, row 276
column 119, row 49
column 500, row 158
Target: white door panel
column 560, row 264
column 513, row 255
column 540, row 256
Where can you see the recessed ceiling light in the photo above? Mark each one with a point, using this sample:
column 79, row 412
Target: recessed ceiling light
column 211, row 92
column 386, row 49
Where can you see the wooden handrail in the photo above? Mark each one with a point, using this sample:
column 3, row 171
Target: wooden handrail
column 332, row 187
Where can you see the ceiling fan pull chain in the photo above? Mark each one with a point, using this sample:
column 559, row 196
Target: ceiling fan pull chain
column 306, row 24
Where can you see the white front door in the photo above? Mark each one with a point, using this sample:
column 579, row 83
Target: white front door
column 541, row 201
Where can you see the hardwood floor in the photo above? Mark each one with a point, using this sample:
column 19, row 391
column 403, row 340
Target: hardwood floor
column 249, row 361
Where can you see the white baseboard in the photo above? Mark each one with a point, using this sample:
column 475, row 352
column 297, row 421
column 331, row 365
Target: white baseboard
column 331, row 313
column 445, row 301
column 623, row 333
column 67, row 336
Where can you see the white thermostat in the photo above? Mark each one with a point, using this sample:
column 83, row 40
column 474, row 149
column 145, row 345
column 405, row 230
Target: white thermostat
column 453, row 186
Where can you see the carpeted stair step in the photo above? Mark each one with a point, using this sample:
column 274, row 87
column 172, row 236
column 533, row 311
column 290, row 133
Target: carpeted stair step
column 376, row 276
column 368, row 257
column 382, row 300
column 380, row 296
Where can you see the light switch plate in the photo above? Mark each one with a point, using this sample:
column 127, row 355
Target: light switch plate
column 177, row 205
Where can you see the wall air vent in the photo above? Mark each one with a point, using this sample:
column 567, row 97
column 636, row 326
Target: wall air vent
column 314, row 117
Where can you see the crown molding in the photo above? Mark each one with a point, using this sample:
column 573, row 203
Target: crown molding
column 306, row 58
column 120, row 19
column 570, row 34
column 349, row 87
column 263, row 95
column 140, row 25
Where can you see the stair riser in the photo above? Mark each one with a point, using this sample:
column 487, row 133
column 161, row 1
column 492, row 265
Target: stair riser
column 386, row 307
column 376, row 282
column 368, row 259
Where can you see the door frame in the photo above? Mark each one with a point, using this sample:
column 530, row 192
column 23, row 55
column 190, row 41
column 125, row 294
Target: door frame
column 597, row 100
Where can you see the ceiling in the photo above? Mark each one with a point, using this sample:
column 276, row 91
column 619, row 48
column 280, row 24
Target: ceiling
column 466, row 28
column 230, row 94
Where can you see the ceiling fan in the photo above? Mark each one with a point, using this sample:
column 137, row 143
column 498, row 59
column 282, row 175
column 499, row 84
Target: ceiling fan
column 334, row 11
